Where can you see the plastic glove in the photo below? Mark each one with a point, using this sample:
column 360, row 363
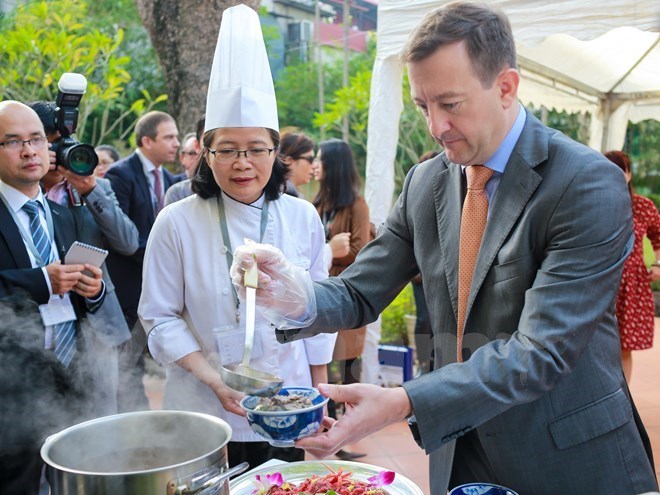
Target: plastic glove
column 285, row 292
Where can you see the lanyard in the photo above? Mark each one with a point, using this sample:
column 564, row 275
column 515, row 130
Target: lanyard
column 227, row 243
column 27, row 236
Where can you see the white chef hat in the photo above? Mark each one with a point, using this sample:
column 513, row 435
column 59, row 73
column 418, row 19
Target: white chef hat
column 241, row 92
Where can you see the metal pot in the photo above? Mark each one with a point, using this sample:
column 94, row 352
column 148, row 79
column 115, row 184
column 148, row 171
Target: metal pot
column 141, row 453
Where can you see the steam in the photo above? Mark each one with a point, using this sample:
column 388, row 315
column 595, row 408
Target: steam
column 38, row 395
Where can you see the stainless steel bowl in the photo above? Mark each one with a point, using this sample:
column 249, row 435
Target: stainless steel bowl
column 250, row 381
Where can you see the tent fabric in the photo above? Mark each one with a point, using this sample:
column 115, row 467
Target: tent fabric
column 601, row 57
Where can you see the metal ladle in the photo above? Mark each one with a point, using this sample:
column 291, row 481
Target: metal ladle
column 240, row 376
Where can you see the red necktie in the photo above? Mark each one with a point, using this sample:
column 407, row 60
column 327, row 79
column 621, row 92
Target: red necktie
column 473, row 224
column 158, row 190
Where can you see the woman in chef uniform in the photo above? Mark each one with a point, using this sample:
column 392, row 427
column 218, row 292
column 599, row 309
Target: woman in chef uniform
column 193, row 318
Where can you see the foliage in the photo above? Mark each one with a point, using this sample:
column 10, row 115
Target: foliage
column 352, row 100
column 41, row 40
column 146, row 86
column 653, row 197
column 297, row 96
column 298, row 99
column 393, row 323
column 414, row 138
column 574, row 125
column 643, row 146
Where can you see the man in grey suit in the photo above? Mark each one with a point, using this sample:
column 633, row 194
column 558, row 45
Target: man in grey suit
column 539, row 402
column 104, row 224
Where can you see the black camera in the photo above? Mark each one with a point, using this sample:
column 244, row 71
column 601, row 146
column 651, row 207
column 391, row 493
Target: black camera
column 78, row 157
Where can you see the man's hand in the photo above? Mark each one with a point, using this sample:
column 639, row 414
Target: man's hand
column 340, row 244
column 368, row 409
column 81, row 183
column 63, row 278
column 53, row 158
column 90, row 283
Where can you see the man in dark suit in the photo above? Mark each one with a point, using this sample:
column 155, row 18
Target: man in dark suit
column 42, row 303
column 528, row 389
column 139, row 182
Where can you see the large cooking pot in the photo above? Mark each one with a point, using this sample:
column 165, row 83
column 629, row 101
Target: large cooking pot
column 141, row 453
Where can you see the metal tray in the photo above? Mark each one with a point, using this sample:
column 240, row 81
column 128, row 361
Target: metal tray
column 298, row 471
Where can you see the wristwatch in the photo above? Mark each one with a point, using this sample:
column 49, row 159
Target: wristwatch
column 655, row 263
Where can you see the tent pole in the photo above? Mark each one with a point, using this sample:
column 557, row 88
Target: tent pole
column 606, row 110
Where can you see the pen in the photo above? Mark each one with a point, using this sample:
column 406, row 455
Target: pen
column 62, row 254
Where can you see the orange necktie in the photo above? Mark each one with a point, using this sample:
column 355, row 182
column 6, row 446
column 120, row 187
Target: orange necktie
column 473, row 224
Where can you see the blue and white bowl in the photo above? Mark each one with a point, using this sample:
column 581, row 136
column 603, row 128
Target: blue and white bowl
column 283, row 428
column 481, row 489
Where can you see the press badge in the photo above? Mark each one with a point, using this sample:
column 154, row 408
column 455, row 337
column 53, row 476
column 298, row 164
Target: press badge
column 231, row 343
column 58, row 310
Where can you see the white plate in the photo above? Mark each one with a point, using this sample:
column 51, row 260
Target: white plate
column 299, row 471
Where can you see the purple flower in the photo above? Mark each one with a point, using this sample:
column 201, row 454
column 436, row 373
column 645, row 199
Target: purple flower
column 381, row 479
column 263, row 484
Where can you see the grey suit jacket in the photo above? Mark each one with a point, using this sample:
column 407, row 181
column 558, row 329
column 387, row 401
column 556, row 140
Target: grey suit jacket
column 119, row 231
column 106, row 225
column 543, row 386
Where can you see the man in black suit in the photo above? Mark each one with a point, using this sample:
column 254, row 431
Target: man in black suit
column 41, row 304
column 140, row 182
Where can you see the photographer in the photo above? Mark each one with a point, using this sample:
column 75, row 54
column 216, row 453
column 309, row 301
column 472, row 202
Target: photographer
column 94, row 204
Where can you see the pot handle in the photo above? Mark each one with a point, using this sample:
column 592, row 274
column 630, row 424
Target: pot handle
column 210, row 479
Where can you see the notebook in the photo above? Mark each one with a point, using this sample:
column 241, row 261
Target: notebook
column 80, row 253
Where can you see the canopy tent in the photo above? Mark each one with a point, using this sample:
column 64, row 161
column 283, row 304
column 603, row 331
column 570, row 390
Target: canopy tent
column 598, row 56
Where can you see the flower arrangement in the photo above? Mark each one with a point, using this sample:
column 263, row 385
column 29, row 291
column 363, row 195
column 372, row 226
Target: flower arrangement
column 334, row 483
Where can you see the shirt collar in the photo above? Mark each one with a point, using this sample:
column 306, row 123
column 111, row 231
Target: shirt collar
column 147, row 165
column 16, row 199
column 498, row 161
column 259, row 203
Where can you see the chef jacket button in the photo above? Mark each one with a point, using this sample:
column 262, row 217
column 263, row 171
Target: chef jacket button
column 223, row 249
column 225, row 291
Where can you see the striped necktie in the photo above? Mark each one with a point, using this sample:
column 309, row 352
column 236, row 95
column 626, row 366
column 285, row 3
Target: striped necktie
column 65, row 333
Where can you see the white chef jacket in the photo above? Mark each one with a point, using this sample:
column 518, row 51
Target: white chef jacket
column 187, row 294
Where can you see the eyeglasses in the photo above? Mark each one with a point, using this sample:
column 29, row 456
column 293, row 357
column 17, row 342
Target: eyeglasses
column 36, row 143
column 229, row 155
column 309, row 159
column 188, row 153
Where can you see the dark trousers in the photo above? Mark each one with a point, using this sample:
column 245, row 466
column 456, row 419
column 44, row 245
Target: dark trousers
column 131, row 395
column 470, row 462
column 20, row 472
column 423, row 332
column 349, row 372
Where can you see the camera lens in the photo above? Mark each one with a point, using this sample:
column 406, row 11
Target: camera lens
column 81, row 159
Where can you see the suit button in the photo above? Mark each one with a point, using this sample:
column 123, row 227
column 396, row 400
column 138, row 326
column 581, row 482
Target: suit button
column 225, row 291
column 223, row 249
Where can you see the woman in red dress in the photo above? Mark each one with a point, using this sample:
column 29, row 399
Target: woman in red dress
column 635, row 307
